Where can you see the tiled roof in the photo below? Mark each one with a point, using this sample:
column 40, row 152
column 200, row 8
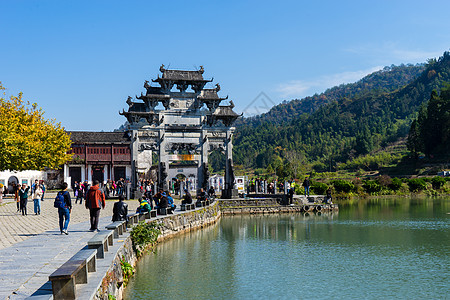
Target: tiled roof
column 182, row 75
column 99, row 137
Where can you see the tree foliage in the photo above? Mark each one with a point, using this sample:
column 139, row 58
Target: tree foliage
column 355, row 122
column 430, row 132
column 27, row 140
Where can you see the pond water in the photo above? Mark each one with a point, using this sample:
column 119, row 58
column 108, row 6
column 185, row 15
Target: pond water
column 377, row 249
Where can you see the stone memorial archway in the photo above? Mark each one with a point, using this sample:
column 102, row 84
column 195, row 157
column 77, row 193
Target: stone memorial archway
column 183, row 131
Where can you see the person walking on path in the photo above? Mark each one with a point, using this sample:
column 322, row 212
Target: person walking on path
column 78, row 190
column 36, row 196
column 43, row 189
column 306, row 184
column 120, row 210
column 34, row 185
column 291, row 194
column 95, row 200
column 85, row 191
column 16, row 195
column 64, row 212
column 23, row 194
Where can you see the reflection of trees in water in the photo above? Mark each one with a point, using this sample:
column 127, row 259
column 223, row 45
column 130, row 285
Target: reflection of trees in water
column 278, row 227
column 218, row 259
column 365, row 208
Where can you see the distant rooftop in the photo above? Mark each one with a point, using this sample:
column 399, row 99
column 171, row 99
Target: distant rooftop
column 99, row 137
column 181, row 75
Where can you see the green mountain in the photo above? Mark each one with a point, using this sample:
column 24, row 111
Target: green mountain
column 383, row 81
column 352, row 121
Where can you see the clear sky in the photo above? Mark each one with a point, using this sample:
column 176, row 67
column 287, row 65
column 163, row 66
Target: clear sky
column 79, row 60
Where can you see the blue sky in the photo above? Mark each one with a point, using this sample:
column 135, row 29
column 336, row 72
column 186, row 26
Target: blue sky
column 79, row 60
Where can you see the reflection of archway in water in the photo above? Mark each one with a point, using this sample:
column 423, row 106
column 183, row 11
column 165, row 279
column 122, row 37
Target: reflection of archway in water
column 11, row 180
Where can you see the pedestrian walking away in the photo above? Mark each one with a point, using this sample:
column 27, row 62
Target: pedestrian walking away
column 16, row 189
column 43, row 189
column 1, row 192
column 64, row 205
column 95, row 200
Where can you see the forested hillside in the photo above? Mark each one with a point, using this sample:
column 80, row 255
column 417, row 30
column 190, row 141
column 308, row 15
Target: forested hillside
column 386, row 80
column 353, row 123
column 430, row 132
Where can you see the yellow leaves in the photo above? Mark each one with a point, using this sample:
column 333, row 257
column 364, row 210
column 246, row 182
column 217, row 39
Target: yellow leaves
column 27, row 140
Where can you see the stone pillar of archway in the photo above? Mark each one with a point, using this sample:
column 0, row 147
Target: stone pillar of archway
column 229, row 191
column 134, row 155
column 203, row 173
column 163, row 180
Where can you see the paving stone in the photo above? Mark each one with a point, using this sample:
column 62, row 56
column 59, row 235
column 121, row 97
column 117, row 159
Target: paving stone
column 31, row 247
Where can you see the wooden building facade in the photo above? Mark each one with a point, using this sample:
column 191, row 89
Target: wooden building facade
column 98, row 156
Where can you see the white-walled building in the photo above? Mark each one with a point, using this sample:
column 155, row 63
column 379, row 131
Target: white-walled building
column 7, row 178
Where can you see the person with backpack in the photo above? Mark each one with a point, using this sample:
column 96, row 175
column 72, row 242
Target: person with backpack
column 95, row 200
column 64, row 205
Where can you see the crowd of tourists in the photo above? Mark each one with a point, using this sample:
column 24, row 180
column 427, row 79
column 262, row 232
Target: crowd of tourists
column 22, row 193
column 263, row 186
column 94, row 197
column 111, row 189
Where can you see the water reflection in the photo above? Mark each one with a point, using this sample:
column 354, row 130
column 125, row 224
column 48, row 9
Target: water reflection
column 379, row 248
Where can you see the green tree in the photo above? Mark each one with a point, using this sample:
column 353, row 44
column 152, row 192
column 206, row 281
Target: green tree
column 430, row 133
column 396, row 184
column 437, row 182
column 417, row 184
column 27, row 140
column 414, row 142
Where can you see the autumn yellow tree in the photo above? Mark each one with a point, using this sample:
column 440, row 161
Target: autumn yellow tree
column 27, row 140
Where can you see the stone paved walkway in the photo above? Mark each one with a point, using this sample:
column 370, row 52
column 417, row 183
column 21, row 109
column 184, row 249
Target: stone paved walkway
column 15, row 228
column 31, row 247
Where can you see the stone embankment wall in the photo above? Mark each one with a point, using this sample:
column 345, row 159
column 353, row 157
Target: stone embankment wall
column 191, row 220
column 170, row 226
column 271, row 206
column 113, row 282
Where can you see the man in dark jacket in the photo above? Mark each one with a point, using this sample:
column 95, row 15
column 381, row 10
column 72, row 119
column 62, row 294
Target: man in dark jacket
column 187, row 198
column 23, row 195
column 95, row 200
column 211, row 192
column 120, row 210
column 163, row 202
column 306, row 184
column 291, row 194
